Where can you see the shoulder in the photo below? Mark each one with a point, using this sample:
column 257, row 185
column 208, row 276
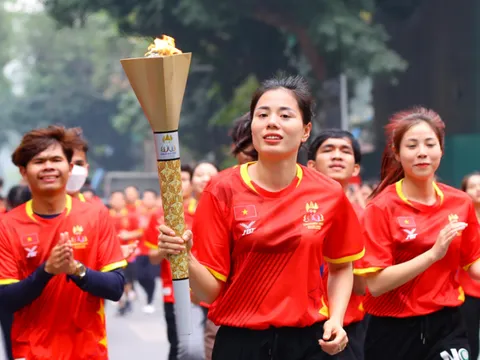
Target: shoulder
column 225, row 181
column 15, row 216
column 92, row 209
column 385, row 199
column 449, row 192
column 317, row 179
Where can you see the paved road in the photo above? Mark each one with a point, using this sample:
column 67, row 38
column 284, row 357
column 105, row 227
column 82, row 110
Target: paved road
column 137, row 335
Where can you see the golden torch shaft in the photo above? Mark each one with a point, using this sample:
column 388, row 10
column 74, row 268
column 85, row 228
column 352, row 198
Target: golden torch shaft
column 169, row 174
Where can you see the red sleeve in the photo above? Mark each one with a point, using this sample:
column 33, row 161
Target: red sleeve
column 211, row 236
column 344, row 242
column 378, row 242
column 470, row 240
column 110, row 255
column 151, row 233
column 8, row 264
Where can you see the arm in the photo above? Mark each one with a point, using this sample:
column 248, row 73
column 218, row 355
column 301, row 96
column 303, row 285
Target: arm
column 19, row 294
column 359, row 285
column 390, row 278
column 204, row 285
column 340, row 282
column 342, row 246
column 107, row 285
column 471, row 245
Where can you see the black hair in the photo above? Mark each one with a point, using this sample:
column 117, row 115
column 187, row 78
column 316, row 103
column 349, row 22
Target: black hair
column 187, row 168
column 241, row 134
column 297, row 85
column 334, row 134
column 17, row 195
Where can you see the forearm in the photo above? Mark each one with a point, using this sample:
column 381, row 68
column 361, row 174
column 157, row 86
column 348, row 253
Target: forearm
column 339, row 288
column 474, row 270
column 14, row 297
column 359, row 285
column 395, row 276
column 107, row 285
column 205, row 286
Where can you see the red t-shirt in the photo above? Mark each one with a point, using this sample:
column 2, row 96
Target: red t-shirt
column 64, row 322
column 398, row 230
column 470, row 286
column 268, row 246
column 125, row 221
column 144, row 217
column 355, row 311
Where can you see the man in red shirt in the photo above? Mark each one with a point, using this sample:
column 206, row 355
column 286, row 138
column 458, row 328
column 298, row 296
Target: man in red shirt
column 59, row 258
column 336, row 154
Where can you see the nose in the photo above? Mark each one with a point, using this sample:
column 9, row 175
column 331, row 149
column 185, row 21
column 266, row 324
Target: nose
column 422, row 151
column 272, row 121
column 336, row 154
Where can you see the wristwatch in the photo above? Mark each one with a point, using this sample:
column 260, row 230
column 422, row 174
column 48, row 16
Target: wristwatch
column 81, row 270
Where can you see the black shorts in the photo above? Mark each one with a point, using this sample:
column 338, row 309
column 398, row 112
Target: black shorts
column 436, row 336
column 130, row 273
column 273, row 344
column 356, row 339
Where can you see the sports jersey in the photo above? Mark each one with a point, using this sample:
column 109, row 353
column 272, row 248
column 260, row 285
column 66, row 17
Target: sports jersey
column 125, row 221
column 469, row 286
column 64, row 323
column 143, row 222
column 398, row 230
column 268, row 246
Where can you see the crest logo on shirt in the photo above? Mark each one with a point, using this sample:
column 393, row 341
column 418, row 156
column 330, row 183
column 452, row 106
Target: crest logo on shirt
column 453, row 218
column 312, row 220
column 79, row 241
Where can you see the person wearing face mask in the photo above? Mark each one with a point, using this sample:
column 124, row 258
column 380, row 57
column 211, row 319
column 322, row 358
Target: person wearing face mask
column 79, row 173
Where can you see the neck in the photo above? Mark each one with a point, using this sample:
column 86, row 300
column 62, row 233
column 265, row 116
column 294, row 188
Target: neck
column 48, row 204
column 274, row 175
column 419, row 190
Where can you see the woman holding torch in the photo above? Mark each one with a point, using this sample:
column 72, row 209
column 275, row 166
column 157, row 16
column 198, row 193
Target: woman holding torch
column 262, row 231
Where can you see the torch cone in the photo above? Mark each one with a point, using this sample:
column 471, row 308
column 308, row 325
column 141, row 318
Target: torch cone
column 159, row 84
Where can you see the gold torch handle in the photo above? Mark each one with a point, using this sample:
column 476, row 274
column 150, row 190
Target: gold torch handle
column 169, row 175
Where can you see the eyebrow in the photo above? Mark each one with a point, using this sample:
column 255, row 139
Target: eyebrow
column 282, row 108
column 415, row 139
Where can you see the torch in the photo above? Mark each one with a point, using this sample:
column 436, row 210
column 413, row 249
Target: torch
column 159, row 81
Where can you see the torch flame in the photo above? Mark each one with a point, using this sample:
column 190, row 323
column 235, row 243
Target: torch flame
column 163, row 47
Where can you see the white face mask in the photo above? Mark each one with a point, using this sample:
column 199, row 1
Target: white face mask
column 77, row 179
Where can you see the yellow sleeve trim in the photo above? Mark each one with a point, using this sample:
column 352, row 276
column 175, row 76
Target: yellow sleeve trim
column 366, row 271
column 346, row 259
column 150, row 245
column 114, row 266
column 466, row 267
column 217, row 274
column 8, row 281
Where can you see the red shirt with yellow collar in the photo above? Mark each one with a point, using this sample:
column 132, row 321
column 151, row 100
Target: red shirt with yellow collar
column 40, row 331
column 398, row 230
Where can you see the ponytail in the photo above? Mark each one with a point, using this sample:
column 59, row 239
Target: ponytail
column 390, row 172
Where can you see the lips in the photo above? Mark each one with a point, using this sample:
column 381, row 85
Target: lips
column 337, row 166
column 273, row 137
column 422, row 164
